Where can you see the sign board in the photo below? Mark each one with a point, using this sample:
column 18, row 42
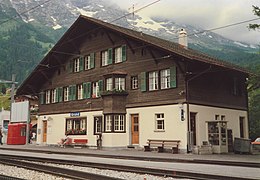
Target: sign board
column 74, row 114
column 20, row 112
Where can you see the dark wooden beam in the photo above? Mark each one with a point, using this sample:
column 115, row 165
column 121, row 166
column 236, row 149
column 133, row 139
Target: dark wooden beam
column 109, row 37
column 129, row 45
column 152, row 54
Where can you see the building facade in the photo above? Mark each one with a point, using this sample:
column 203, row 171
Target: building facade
column 102, row 79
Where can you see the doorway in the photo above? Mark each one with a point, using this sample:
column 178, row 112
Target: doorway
column 193, row 127
column 44, row 140
column 135, row 128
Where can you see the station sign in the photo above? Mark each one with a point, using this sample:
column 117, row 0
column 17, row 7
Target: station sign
column 74, row 114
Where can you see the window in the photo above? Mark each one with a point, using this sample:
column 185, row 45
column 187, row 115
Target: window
column 80, row 91
column 120, row 83
column 66, row 93
column 108, row 123
column 95, row 90
column 120, row 54
column 106, row 57
column 165, row 78
column 89, row 61
column 98, row 125
column 47, row 96
column 109, row 84
column 119, row 122
column 76, row 126
column 115, row 123
column 159, row 122
column 153, row 80
column 53, row 96
column 134, row 82
column 217, row 117
column 76, row 65
column 223, row 117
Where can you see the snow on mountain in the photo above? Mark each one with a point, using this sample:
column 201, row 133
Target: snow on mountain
column 57, row 14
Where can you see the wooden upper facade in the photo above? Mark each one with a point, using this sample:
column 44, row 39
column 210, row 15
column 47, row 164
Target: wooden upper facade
column 100, row 66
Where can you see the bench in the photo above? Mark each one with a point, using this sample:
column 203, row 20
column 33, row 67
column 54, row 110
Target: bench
column 79, row 142
column 161, row 145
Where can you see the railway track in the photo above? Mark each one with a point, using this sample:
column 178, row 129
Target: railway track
column 74, row 174
column 56, row 171
column 155, row 159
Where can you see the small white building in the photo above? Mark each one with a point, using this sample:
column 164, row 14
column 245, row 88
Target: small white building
column 4, row 121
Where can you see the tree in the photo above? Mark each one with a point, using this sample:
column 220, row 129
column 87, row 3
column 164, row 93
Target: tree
column 256, row 11
column 254, row 91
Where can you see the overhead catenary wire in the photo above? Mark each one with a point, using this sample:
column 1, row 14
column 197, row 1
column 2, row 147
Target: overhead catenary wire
column 24, row 12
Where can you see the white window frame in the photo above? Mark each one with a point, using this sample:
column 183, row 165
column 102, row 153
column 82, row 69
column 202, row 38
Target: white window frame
column 87, row 62
column 109, row 84
column 47, row 97
column 119, row 123
column 159, row 118
column 66, row 94
column 165, row 78
column 109, row 119
column 76, row 64
column 119, row 83
column 53, row 95
column 95, row 89
column 104, row 58
column 118, row 55
column 153, row 81
column 134, row 81
column 80, row 91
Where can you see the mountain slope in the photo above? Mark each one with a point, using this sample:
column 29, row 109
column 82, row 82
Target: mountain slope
column 25, row 40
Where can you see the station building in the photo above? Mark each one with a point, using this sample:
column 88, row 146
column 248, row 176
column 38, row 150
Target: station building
column 102, row 79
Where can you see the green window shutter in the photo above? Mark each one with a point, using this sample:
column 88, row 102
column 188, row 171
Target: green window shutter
column 173, row 81
column 92, row 60
column 110, row 56
column 57, row 95
column 84, row 90
column 74, row 92
column 88, row 90
column 60, row 92
column 42, row 99
column 124, row 53
column 81, row 63
column 143, row 81
column 70, row 66
column 100, row 85
column 70, row 93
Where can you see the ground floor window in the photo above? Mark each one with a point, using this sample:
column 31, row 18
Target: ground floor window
column 115, row 123
column 159, row 122
column 76, row 126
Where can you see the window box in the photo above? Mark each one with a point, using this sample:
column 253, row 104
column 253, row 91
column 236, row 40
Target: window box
column 114, row 92
column 76, row 132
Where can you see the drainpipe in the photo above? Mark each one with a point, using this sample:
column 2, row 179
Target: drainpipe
column 189, row 135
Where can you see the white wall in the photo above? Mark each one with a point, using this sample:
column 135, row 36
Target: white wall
column 175, row 129
column 205, row 113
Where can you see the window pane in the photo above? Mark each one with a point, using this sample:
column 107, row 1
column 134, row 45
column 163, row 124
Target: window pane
column 109, row 84
column 153, row 80
column 165, row 79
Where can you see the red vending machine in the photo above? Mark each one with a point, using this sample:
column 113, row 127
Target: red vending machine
column 17, row 133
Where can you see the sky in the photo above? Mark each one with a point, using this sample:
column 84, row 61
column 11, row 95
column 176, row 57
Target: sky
column 206, row 14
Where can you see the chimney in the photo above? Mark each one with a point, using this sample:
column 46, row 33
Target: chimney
column 183, row 38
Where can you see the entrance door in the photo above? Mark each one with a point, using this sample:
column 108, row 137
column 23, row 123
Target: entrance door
column 44, row 131
column 135, row 128
column 193, row 126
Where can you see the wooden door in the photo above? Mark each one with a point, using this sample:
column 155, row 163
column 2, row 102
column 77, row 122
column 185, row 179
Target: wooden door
column 193, row 127
column 44, row 131
column 135, row 128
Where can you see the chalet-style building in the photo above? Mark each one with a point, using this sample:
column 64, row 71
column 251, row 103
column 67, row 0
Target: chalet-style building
column 129, row 86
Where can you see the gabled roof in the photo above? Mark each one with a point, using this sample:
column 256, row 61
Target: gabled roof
column 27, row 87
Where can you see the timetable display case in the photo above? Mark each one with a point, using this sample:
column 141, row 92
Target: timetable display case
column 217, row 136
